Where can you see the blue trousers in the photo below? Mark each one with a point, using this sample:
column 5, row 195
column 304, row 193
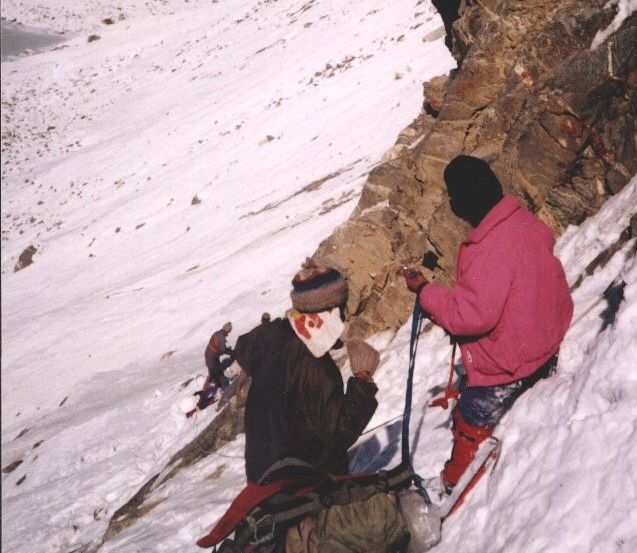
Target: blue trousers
column 486, row 405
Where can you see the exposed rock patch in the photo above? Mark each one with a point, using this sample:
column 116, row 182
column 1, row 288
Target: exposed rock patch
column 12, row 466
column 25, row 259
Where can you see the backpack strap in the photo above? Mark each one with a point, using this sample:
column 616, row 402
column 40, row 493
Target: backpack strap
column 290, row 468
column 284, row 508
column 260, row 509
column 251, row 496
column 287, row 473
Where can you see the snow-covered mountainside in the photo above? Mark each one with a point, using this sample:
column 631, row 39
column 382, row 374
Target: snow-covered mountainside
column 172, row 174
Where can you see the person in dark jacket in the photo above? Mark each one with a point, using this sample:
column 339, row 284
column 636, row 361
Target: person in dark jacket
column 297, row 405
column 508, row 310
column 216, row 379
column 216, row 348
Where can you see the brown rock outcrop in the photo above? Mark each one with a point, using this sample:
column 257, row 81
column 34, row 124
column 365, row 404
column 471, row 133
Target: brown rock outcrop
column 555, row 118
column 25, row 259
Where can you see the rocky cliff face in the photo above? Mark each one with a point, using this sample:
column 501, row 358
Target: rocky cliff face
column 554, row 116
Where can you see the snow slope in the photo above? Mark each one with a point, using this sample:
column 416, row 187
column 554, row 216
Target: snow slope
column 105, row 146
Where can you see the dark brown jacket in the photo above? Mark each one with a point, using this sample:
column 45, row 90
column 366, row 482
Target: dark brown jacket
column 296, row 405
column 216, row 347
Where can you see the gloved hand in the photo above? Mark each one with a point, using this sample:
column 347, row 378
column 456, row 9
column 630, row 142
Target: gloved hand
column 414, row 280
column 363, row 358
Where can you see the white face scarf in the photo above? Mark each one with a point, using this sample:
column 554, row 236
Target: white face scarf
column 318, row 331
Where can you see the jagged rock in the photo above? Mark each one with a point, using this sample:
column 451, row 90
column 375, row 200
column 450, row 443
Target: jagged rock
column 433, row 91
column 410, row 136
column 25, row 259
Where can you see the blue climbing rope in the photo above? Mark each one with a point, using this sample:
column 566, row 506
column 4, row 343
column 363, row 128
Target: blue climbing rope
column 416, row 323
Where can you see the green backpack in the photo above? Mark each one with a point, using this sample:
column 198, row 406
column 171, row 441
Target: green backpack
column 373, row 525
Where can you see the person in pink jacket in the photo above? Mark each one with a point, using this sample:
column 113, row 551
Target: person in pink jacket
column 508, row 310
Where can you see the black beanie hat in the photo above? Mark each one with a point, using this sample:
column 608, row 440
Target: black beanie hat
column 473, row 188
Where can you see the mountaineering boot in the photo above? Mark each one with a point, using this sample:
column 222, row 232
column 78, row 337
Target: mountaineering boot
column 486, row 457
column 466, row 441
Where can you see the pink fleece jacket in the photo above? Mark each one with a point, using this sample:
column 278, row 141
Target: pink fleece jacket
column 511, row 303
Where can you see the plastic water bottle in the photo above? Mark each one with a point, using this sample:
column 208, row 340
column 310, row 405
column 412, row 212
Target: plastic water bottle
column 423, row 521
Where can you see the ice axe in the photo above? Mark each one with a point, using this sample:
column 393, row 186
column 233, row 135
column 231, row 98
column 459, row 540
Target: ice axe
column 429, row 261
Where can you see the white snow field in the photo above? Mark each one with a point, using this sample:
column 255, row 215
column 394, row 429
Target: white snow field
column 173, row 174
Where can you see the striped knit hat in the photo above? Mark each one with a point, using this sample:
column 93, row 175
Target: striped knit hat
column 317, row 288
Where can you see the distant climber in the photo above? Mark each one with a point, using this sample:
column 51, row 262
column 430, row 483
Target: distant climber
column 265, row 318
column 508, row 310
column 216, row 379
column 216, row 348
column 296, row 405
